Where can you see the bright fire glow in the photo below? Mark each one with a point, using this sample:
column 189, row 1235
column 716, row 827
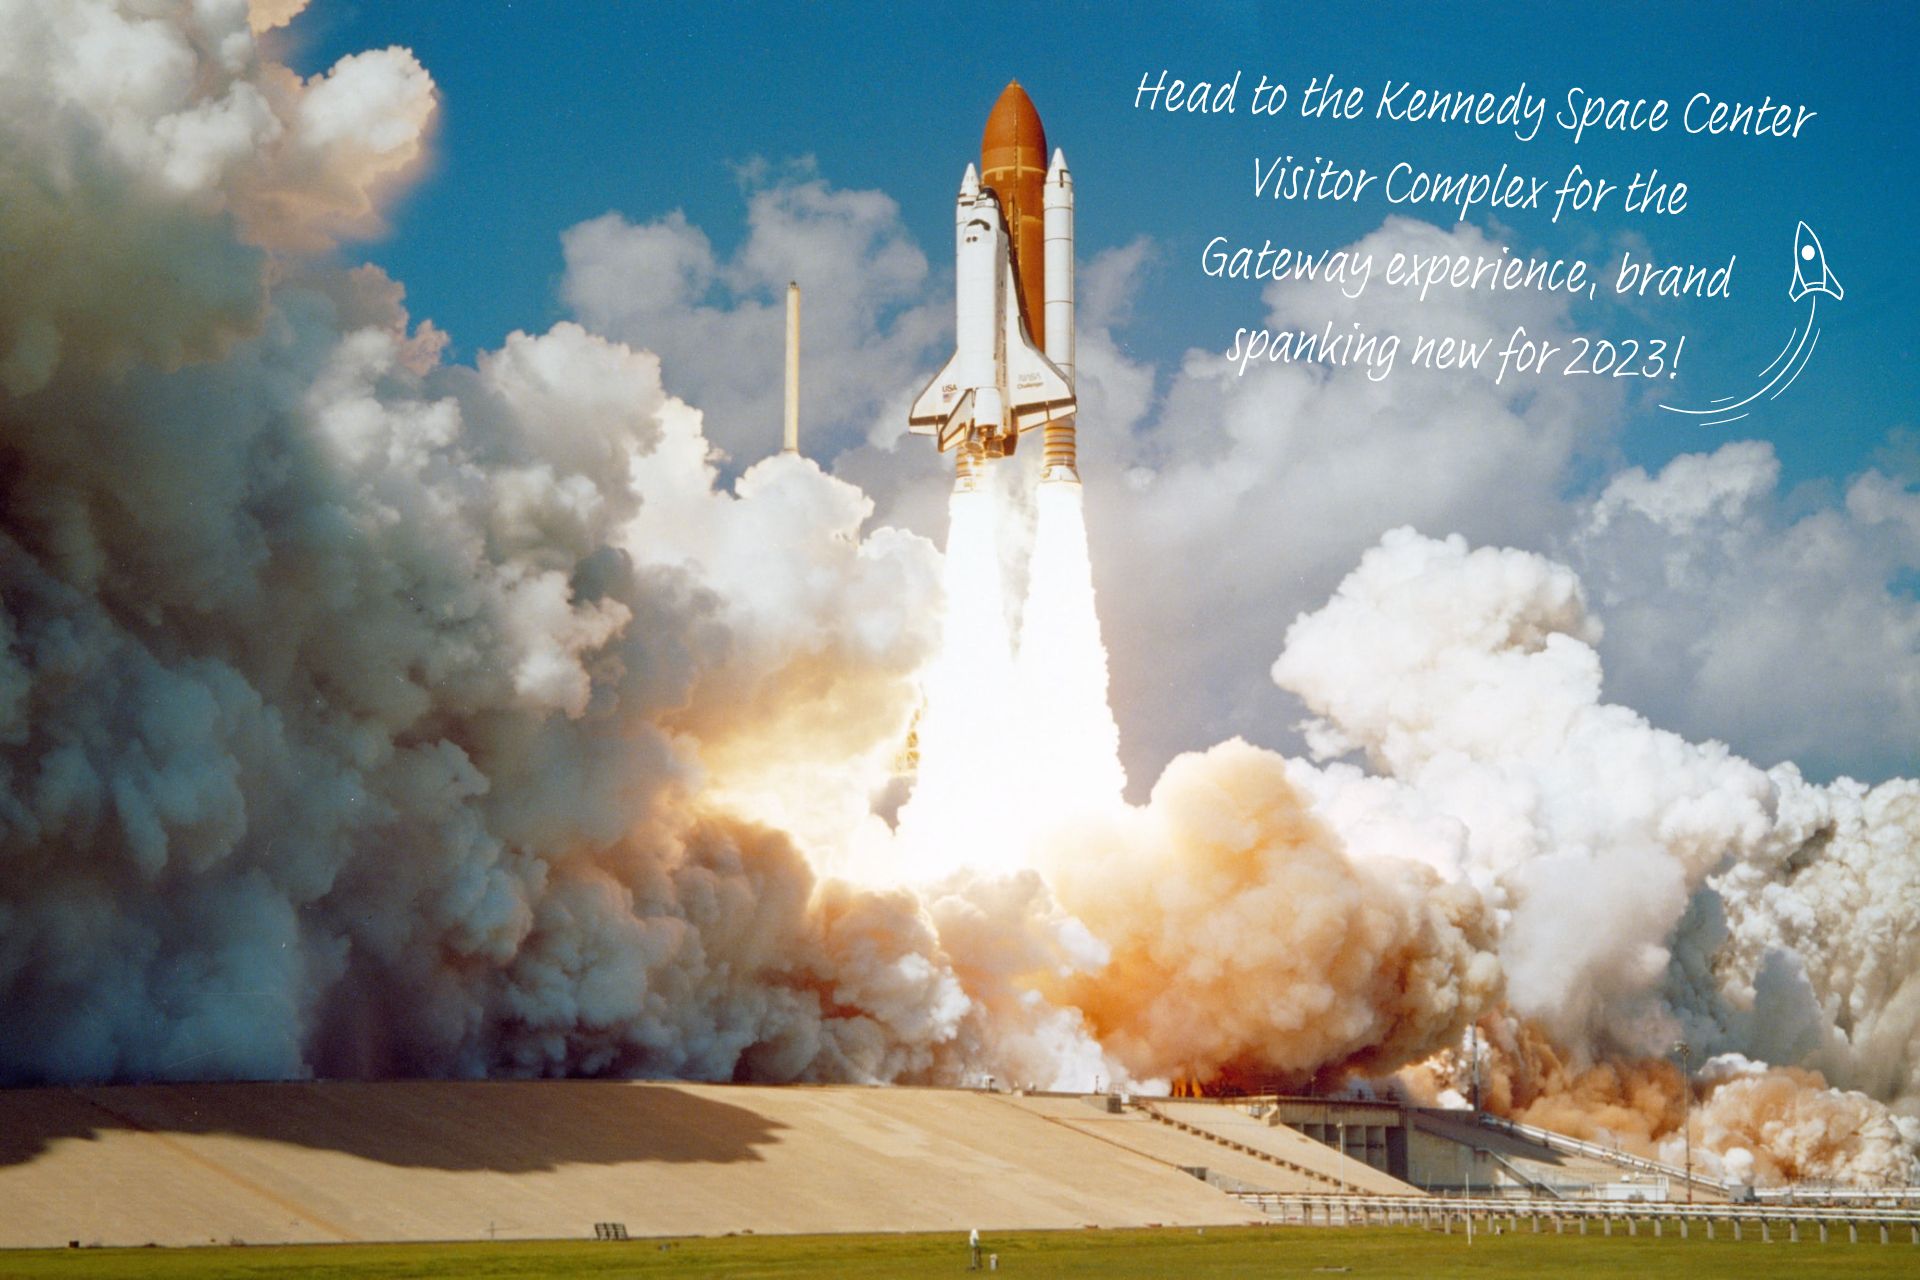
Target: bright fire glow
column 970, row 756
column 1061, row 683
column 1010, row 749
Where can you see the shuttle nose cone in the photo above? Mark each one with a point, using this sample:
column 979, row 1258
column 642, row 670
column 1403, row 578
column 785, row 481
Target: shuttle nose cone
column 1810, row 272
column 1013, row 125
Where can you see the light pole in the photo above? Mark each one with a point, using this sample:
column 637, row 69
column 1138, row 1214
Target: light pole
column 1686, row 1124
column 1473, row 1152
column 1473, row 1058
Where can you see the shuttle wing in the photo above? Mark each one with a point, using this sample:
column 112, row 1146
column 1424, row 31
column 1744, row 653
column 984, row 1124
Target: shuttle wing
column 1037, row 392
column 1016, row 374
column 933, row 406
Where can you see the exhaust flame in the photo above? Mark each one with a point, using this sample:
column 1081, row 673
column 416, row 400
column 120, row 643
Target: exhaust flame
column 1236, row 936
column 958, row 816
column 1012, row 750
column 1073, row 746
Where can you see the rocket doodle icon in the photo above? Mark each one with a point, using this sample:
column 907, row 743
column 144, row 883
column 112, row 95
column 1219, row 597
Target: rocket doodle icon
column 1012, row 366
column 1811, row 275
column 1810, row 272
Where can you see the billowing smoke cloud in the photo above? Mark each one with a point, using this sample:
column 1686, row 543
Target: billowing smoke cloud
column 1652, row 890
column 1748, row 1122
column 360, row 714
column 1714, row 584
column 1470, row 676
column 1309, row 465
column 265, row 15
column 1248, row 945
column 1769, row 1125
column 150, row 156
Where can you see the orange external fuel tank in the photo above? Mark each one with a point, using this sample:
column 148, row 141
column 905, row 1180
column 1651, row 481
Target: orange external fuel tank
column 1013, row 162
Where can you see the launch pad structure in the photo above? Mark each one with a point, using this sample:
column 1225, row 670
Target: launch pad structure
column 549, row 1159
column 555, row 1159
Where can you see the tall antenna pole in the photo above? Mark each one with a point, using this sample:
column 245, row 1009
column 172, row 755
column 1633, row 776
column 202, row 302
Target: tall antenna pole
column 792, row 444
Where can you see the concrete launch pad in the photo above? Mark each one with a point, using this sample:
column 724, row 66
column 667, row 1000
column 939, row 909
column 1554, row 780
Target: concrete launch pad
column 199, row 1164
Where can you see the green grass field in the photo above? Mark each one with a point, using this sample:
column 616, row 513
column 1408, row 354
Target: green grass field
column 1250, row 1251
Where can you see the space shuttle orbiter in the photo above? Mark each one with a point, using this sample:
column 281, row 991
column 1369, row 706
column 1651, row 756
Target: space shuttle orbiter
column 1012, row 366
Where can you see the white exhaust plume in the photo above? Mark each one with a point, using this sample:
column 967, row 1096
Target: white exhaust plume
column 972, row 756
column 1209, row 960
column 1072, row 747
column 366, row 715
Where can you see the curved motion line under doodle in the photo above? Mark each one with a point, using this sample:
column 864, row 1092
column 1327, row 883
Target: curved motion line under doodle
column 1811, row 277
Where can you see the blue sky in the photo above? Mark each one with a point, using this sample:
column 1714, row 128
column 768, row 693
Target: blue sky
column 557, row 112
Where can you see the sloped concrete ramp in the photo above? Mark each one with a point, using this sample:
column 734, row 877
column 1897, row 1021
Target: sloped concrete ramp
column 268, row 1163
column 1247, row 1168
column 1227, row 1123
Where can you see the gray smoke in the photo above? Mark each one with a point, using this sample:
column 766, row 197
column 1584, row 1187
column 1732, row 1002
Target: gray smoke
column 351, row 703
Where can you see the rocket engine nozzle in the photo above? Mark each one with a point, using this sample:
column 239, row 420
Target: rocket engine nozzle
column 969, row 461
column 1058, row 463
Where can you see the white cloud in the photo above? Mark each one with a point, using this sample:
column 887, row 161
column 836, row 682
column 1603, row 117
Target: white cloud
column 1240, row 501
column 1778, row 626
column 868, row 320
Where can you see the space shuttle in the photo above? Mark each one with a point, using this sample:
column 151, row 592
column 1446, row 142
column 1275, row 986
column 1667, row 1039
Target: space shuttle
column 1012, row 366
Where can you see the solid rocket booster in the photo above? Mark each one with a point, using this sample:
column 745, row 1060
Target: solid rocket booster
column 1058, row 204
column 1012, row 365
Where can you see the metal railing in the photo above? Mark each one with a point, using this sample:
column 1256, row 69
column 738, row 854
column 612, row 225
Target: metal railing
column 1534, row 1183
column 1441, row 1213
column 1612, row 1155
column 1803, row 1193
column 1799, row 1193
column 1235, row 1145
